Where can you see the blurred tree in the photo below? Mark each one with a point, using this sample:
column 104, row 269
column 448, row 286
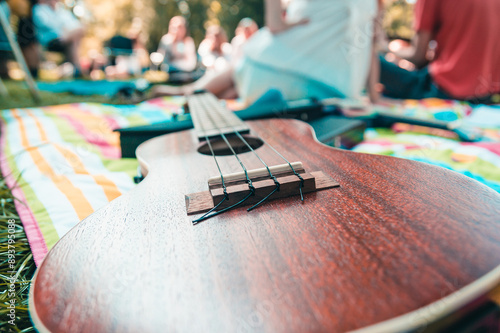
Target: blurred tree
column 233, row 11
column 398, row 19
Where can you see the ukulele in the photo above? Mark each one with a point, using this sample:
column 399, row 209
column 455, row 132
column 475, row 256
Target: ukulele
column 258, row 227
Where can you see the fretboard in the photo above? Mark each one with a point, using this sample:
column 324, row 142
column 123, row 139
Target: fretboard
column 211, row 118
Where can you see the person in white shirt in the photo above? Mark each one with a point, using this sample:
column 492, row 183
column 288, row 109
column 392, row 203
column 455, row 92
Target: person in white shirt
column 246, row 28
column 317, row 49
column 178, row 47
column 214, row 50
column 58, row 30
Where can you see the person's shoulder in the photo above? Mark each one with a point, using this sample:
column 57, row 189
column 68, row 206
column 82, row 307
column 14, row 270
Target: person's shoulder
column 204, row 43
column 237, row 40
column 227, row 49
column 166, row 39
column 204, row 48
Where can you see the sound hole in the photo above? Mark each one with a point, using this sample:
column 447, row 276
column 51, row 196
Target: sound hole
column 221, row 149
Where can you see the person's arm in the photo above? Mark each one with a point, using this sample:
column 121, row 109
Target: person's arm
column 73, row 35
column 374, row 77
column 427, row 22
column 186, row 60
column 191, row 55
column 274, row 18
column 164, row 47
column 420, row 47
column 73, row 29
column 204, row 48
column 373, row 82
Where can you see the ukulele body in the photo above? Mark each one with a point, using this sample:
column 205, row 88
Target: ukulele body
column 396, row 236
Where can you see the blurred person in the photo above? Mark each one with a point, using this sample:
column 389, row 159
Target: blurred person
column 462, row 62
column 214, row 50
column 126, row 55
column 136, row 34
column 58, row 30
column 319, row 49
column 245, row 29
column 5, row 52
column 21, row 9
column 26, row 36
column 178, row 47
column 97, row 63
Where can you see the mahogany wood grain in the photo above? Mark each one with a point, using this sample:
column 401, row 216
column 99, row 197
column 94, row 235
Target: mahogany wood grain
column 396, row 236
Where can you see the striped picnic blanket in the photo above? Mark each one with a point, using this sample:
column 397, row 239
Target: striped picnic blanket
column 478, row 160
column 63, row 162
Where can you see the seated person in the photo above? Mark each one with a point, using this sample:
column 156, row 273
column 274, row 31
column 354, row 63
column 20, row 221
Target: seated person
column 321, row 49
column 26, row 38
column 245, row 29
column 178, row 47
column 58, row 30
column 4, row 43
column 214, row 50
column 136, row 34
column 466, row 64
column 20, row 8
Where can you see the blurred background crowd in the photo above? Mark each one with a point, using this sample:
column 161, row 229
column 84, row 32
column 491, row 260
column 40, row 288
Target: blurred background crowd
column 128, row 38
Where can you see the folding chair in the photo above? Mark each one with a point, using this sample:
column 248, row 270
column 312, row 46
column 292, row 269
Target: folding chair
column 12, row 45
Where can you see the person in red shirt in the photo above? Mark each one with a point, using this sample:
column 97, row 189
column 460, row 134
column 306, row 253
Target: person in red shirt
column 466, row 64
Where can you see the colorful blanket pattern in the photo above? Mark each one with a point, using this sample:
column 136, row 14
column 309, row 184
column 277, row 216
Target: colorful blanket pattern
column 430, row 109
column 478, row 160
column 63, row 162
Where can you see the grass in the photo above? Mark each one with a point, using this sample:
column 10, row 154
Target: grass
column 19, row 272
column 20, row 97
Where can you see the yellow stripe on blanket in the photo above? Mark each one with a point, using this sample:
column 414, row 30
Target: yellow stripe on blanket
column 74, row 194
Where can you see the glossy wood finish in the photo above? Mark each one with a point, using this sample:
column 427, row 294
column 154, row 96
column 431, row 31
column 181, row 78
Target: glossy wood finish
column 397, row 236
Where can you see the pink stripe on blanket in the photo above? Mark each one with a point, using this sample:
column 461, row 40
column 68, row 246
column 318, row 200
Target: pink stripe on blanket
column 494, row 147
column 106, row 149
column 112, row 122
column 31, row 228
column 388, row 143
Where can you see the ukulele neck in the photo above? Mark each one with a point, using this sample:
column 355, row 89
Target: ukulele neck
column 212, row 119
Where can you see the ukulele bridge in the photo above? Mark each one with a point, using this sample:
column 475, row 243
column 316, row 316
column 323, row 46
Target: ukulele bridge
column 237, row 187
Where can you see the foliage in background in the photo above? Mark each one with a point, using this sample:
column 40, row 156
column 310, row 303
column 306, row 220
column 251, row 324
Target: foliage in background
column 398, row 19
